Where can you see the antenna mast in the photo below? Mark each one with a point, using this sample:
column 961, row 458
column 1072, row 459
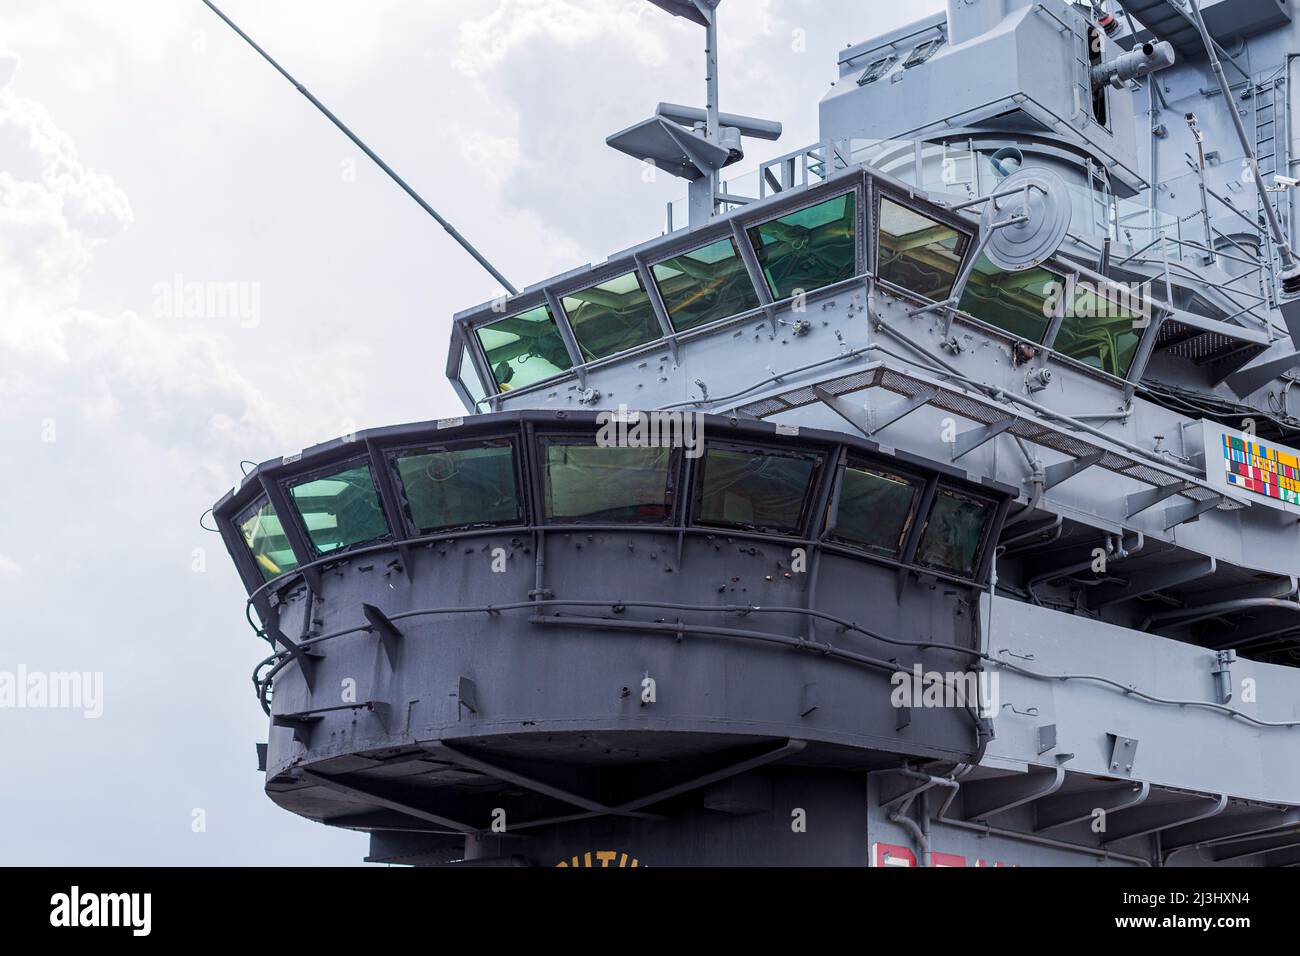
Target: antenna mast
column 693, row 143
column 712, row 127
column 451, row 230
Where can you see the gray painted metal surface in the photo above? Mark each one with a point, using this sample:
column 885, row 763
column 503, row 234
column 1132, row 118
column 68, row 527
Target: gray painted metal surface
column 1132, row 615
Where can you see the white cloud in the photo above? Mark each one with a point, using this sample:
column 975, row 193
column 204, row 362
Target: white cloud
column 53, row 212
column 9, row 565
column 152, row 378
column 496, row 158
column 8, row 67
column 232, row 175
column 517, row 25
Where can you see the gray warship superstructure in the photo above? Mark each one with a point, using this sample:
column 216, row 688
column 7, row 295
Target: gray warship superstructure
column 927, row 497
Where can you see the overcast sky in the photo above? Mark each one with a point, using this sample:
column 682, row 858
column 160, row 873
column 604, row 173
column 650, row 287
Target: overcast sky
column 143, row 144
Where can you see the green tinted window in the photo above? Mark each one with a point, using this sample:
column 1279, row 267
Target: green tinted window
column 266, row 540
column 808, row 249
column 1099, row 331
column 917, row 253
column 598, row 483
column 953, row 532
column 341, row 509
column 763, row 491
column 459, row 485
column 875, row 509
column 524, row 349
column 1022, row 303
column 469, row 378
column 612, row 317
column 705, row 285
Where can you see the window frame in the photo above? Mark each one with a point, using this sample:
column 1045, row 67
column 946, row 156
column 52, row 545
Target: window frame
column 641, row 260
column 753, row 220
column 248, row 565
column 1064, row 269
column 696, row 243
column 1145, row 343
column 877, row 69
column 521, row 305
column 541, row 439
column 268, row 481
column 857, row 460
column 367, row 458
column 1053, row 324
column 392, row 453
column 924, row 50
column 607, row 272
column 982, row 551
column 822, row 461
column 965, row 233
column 462, row 347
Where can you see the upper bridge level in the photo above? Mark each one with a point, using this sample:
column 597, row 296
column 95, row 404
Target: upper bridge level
column 832, row 301
column 1126, row 301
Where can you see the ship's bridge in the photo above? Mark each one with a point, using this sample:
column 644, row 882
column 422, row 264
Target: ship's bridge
column 689, row 317
column 396, row 489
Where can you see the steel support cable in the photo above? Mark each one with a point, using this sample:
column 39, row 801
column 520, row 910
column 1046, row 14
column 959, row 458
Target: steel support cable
column 374, row 157
column 280, row 659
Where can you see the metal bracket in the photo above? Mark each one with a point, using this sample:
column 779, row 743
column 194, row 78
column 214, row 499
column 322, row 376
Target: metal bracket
column 1147, row 581
column 903, row 719
column 1123, row 752
column 1181, row 514
column 389, row 636
column 810, row 700
column 300, row 724
column 968, row 441
column 307, row 658
column 372, row 794
column 1053, row 475
column 1153, row 818
column 466, row 696
column 1046, row 738
column 853, row 414
column 986, row 798
column 1142, row 500
column 1223, row 661
column 882, row 419
column 1067, row 808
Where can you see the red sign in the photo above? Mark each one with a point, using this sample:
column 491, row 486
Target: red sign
column 888, row 854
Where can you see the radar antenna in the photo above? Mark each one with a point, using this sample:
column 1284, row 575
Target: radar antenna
column 451, row 230
column 689, row 142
